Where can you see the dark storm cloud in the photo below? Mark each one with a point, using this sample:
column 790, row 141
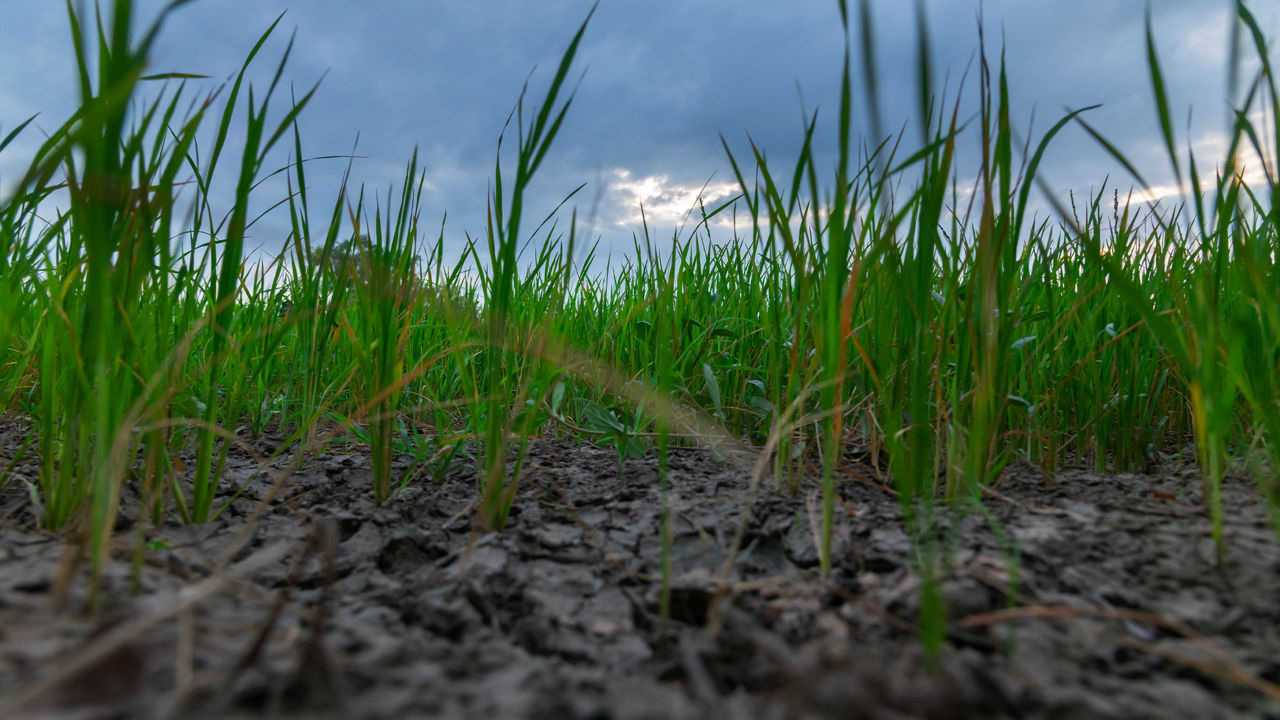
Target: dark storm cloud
column 662, row 80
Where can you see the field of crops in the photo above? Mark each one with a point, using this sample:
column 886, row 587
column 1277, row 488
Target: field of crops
column 893, row 446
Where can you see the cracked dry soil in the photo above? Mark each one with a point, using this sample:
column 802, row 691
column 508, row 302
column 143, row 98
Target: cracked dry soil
column 336, row 607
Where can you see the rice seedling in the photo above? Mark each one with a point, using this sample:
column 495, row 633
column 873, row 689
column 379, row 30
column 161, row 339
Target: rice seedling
column 98, row 368
column 385, row 295
column 501, row 298
column 225, row 256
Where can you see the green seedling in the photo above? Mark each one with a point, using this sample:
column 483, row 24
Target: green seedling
column 605, row 422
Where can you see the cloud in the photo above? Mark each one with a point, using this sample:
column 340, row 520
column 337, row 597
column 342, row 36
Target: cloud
column 663, row 202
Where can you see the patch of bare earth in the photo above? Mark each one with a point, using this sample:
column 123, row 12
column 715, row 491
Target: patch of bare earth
column 329, row 605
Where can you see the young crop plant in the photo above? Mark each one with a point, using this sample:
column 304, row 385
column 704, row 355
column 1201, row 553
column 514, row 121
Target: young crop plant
column 320, row 282
column 501, row 299
column 101, row 376
column 126, row 334
column 225, row 255
column 384, row 299
column 847, row 262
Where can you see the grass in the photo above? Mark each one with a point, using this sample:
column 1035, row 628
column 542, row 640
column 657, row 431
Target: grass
column 868, row 313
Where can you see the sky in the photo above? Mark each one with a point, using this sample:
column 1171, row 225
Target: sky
column 657, row 83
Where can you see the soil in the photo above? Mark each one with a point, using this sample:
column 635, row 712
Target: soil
column 333, row 606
